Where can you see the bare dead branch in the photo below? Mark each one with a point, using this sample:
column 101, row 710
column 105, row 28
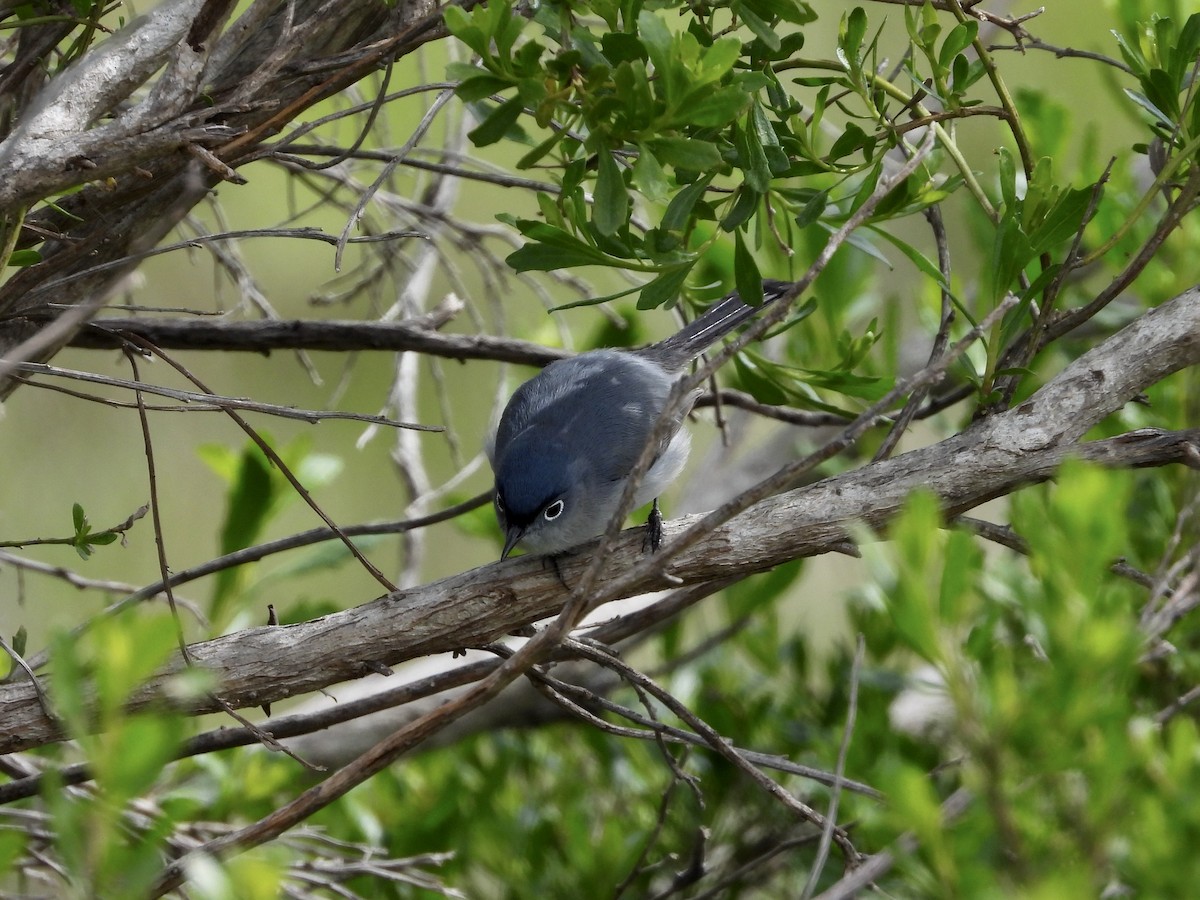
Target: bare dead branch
column 209, row 401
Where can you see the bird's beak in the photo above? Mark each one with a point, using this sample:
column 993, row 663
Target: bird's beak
column 512, row 535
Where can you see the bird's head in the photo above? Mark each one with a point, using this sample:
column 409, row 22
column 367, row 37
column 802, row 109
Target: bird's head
column 540, row 501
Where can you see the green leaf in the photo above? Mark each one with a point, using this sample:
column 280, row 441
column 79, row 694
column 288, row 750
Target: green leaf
column 862, row 387
column 1145, row 103
column 507, row 29
column 813, row 209
column 610, row 209
column 851, row 139
column 755, row 381
column 553, row 248
column 752, row 158
column 691, row 154
column 657, row 39
column 649, row 177
column 323, row 558
column 619, row 47
column 1062, row 222
column 664, row 288
column 534, row 156
column 958, row 40
column 249, row 500
column 1008, row 177
column 756, row 595
column 1186, row 50
column 913, row 800
column 23, row 258
column 745, row 202
column 915, row 256
column 79, row 519
column 861, row 242
column 498, row 122
column 916, row 535
column 589, row 301
column 851, row 32
column 962, row 566
column 794, row 11
column 126, row 650
column 462, row 26
column 632, row 87
column 718, row 60
column 12, row 845
column 705, row 108
column 1010, row 254
column 1133, row 56
column 777, row 159
column 136, row 754
column 679, row 210
column 547, row 258
column 762, row 29
column 747, row 277
column 481, row 86
column 248, row 505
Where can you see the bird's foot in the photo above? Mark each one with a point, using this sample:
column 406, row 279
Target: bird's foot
column 654, row 530
column 553, row 559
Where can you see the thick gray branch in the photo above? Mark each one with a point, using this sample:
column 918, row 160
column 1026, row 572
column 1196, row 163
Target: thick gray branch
column 992, row 458
column 58, row 131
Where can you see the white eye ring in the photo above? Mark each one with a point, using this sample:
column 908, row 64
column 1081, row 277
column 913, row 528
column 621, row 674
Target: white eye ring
column 553, row 511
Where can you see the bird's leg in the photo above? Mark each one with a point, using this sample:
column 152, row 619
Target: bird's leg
column 654, row 529
column 553, row 558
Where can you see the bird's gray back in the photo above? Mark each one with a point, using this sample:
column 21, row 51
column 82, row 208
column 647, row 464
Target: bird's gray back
column 607, row 400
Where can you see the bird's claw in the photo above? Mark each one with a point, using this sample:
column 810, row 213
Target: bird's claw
column 654, row 530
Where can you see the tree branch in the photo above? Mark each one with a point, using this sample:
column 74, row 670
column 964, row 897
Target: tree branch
column 301, row 334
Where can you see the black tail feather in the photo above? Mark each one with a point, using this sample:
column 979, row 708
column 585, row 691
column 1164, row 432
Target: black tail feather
column 719, row 320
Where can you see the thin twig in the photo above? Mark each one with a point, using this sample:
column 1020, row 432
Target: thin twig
column 718, row 743
column 423, row 126
column 835, row 794
column 210, row 399
column 941, row 340
column 155, row 512
column 879, row 864
column 83, row 583
column 42, row 699
column 307, row 234
column 652, row 729
column 164, row 571
column 278, row 462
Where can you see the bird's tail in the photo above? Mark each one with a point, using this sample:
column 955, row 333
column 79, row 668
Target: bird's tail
column 720, row 319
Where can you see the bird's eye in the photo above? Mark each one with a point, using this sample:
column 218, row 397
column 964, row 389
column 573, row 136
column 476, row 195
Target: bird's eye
column 553, row 511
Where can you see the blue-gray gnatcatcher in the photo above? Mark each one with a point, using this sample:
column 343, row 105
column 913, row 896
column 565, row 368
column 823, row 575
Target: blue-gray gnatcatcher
column 570, row 436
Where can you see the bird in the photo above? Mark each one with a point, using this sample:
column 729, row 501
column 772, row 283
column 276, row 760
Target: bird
column 569, row 438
